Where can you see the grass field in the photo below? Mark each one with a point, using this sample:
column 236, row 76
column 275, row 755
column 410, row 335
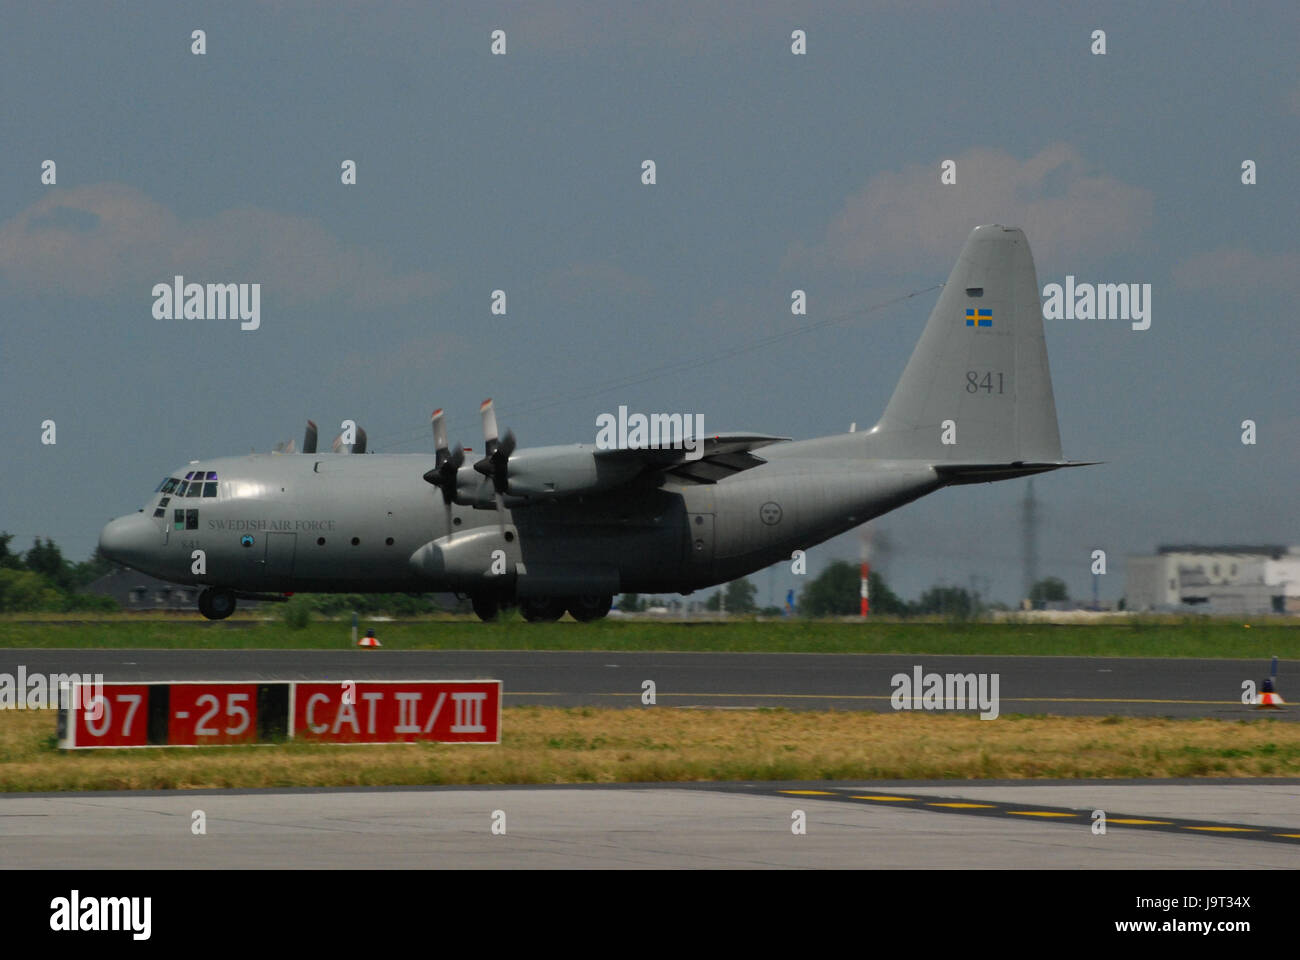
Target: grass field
column 1139, row 637
column 586, row 745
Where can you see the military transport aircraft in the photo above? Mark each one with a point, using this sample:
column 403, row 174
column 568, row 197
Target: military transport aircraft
column 567, row 527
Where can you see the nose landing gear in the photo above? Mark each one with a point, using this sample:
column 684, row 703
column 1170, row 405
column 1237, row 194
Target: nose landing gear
column 216, row 604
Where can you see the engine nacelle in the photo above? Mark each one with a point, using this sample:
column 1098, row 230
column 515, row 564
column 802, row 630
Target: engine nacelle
column 549, row 472
column 469, row 560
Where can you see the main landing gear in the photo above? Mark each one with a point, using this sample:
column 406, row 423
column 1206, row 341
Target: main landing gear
column 545, row 609
column 216, row 604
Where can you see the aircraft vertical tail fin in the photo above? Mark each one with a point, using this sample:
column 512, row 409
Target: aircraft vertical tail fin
column 977, row 388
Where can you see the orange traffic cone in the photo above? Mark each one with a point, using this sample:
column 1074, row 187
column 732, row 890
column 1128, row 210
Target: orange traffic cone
column 1268, row 698
column 369, row 640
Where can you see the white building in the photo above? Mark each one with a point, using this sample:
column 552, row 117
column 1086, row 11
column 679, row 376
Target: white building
column 1216, row 579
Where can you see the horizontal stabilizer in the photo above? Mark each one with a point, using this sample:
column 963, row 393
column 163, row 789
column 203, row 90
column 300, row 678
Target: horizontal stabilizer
column 953, row 474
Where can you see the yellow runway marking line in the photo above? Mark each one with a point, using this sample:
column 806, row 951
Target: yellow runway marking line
column 1040, row 813
column 1152, row 823
column 1225, row 829
column 890, row 799
column 1292, row 836
column 964, row 806
column 810, row 793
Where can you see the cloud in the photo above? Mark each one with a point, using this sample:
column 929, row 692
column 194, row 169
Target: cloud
column 110, row 239
column 908, row 217
column 1236, row 270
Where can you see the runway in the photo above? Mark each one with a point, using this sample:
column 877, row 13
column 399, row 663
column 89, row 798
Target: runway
column 713, row 826
column 797, row 681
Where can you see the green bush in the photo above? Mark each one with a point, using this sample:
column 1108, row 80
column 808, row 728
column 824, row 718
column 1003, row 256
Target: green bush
column 297, row 613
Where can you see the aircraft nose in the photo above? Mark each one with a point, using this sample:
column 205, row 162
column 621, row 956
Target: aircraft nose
column 127, row 539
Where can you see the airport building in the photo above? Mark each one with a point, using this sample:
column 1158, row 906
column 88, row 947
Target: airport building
column 134, row 590
column 1234, row 579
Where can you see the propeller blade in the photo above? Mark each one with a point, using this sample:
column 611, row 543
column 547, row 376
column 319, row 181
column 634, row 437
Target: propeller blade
column 447, row 463
column 360, row 445
column 441, row 453
column 337, row 445
column 309, row 439
column 500, row 458
column 489, row 425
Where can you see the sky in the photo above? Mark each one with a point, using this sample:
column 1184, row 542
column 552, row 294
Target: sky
column 774, row 171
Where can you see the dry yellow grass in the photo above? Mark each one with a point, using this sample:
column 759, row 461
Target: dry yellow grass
column 558, row 745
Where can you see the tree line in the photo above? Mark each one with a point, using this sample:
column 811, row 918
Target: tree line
column 836, row 592
column 42, row 579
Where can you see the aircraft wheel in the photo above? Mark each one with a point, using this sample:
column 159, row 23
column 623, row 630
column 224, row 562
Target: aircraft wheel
column 541, row 609
column 590, row 607
column 486, row 606
column 216, row 604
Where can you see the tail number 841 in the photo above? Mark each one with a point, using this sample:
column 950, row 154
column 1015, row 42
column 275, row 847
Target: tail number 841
column 989, row 382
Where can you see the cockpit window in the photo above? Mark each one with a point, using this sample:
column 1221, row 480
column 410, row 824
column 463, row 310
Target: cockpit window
column 197, row 483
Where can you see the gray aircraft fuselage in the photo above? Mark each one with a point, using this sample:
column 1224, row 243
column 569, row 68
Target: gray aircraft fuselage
column 340, row 523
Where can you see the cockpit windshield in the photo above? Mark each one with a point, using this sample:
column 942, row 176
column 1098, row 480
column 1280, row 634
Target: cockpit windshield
column 196, row 483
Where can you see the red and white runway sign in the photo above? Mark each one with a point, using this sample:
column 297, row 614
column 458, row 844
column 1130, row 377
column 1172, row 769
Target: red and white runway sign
column 192, row 714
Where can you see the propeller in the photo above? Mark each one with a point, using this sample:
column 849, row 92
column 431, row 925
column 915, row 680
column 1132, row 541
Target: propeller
column 446, row 465
column 360, row 445
column 309, row 440
column 495, row 465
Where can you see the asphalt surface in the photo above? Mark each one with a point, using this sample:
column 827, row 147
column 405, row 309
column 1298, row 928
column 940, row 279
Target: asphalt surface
column 797, row 681
column 742, row 826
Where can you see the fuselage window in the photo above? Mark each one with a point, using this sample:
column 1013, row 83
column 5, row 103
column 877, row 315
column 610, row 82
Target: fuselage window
column 210, row 488
column 160, row 485
column 178, row 519
column 195, row 489
column 191, row 519
column 171, row 484
column 160, row 512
